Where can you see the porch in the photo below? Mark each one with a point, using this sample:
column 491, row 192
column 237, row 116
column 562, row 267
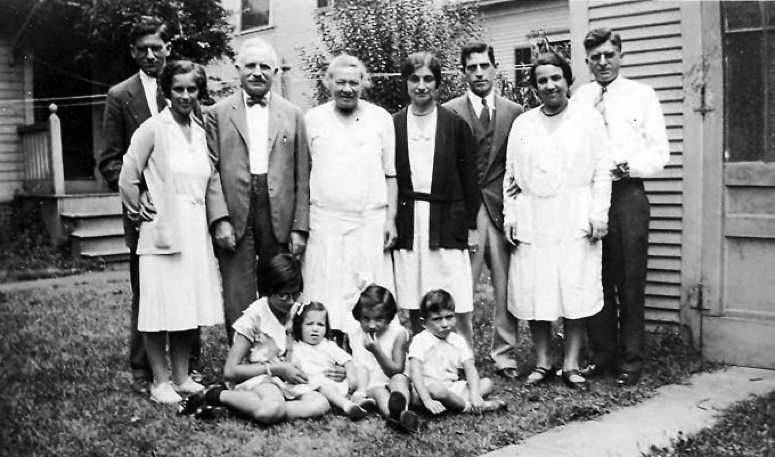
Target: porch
column 79, row 211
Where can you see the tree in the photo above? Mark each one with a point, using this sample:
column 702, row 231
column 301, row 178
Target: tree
column 95, row 33
column 382, row 33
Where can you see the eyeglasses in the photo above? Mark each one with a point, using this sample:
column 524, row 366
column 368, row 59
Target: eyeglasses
column 287, row 297
column 144, row 50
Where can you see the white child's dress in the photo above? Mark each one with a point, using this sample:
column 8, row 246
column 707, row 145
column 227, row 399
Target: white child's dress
column 182, row 291
column 364, row 358
column 441, row 359
column 314, row 361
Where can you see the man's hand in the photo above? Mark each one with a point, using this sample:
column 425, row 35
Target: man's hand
column 224, row 236
column 298, row 244
column 147, row 210
column 336, row 373
column 597, row 230
column 510, row 230
column 473, row 240
column 621, row 171
column 513, row 190
column 391, row 234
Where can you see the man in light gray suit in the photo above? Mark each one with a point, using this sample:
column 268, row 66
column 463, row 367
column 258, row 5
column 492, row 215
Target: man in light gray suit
column 259, row 148
column 490, row 117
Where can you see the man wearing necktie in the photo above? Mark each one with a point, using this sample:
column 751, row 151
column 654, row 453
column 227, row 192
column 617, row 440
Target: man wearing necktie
column 258, row 145
column 490, row 117
column 636, row 128
column 129, row 104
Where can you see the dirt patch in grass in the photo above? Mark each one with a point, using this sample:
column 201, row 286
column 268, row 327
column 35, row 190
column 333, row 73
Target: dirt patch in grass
column 743, row 430
column 65, row 392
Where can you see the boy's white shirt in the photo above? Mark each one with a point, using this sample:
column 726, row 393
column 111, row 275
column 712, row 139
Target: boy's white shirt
column 441, row 358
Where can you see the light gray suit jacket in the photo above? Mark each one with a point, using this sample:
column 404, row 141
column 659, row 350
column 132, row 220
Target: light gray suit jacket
column 289, row 165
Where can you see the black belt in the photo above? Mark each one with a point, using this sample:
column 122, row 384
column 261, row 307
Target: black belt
column 422, row 196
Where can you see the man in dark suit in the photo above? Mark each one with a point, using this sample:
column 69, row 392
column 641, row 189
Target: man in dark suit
column 129, row 104
column 259, row 148
column 490, row 117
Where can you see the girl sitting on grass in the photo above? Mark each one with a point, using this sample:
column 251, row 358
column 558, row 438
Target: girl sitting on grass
column 379, row 350
column 256, row 365
column 314, row 353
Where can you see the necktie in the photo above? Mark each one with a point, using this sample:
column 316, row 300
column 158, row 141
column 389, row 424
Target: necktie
column 484, row 116
column 600, row 104
column 252, row 101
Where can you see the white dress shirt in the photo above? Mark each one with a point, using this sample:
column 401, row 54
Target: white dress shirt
column 257, row 118
column 636, row 126
column 150, row 87
column 476, row 102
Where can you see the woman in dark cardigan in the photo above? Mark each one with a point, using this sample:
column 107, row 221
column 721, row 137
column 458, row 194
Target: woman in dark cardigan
column 437, row 201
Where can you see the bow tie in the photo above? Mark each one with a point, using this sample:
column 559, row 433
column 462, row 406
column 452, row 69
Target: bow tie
column 252, row 101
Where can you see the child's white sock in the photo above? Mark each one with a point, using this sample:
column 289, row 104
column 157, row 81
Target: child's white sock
column 468, row 407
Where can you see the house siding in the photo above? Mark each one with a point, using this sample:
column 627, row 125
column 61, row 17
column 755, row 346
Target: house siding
column 652, row 43
column 12, row 114
column 509, row 26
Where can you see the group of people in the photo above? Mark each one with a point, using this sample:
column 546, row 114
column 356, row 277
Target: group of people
column 308, row 233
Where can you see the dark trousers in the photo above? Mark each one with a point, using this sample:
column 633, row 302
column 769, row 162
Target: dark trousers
column 138, row 360
column 616, row 332
column 242, row 271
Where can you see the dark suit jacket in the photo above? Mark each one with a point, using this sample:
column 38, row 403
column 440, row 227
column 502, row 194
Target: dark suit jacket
column 125, row 109
column 453, row 199
column 492, row 181
column 289, row 165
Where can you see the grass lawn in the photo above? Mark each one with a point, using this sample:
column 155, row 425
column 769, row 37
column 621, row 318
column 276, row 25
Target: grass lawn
column 746, row 429
column 64, row 390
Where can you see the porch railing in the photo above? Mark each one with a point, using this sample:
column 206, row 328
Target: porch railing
column 42, row 148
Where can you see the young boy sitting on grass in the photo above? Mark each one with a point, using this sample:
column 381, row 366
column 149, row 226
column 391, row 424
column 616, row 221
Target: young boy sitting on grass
column 435, row 356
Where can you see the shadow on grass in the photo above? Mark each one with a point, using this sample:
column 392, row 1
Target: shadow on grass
column 65, row 392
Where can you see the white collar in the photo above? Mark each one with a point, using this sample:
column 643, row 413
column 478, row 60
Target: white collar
column 477, row 100
column 146, row 79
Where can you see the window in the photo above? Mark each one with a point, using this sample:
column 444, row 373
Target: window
column 255, row 14
column 522, row 61
column 749, row 80
column 325, row 3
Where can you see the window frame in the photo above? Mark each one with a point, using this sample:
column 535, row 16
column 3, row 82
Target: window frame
column 257, row 28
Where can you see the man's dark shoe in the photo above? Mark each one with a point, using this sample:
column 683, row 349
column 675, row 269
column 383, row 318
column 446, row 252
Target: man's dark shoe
column 628, row 379
column 508, row 372
column 595, row 371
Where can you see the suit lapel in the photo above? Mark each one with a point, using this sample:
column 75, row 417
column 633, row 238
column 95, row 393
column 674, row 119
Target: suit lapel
column 460, row 107
column 501, row 131
column 276, row 119
column 238, row 117
column 136, row 102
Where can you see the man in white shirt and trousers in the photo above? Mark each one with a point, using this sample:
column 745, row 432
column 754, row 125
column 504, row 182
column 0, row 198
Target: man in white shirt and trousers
column 636, row 127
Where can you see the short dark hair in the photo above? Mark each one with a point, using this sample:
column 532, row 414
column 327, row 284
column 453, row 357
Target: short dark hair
column 375, row 296
column 436, row 301
column 598, row 36
column 298, row 318
column 477, row 46
column 418, row 60
column 182, row 67
column 551, row 58
column 282, row 272
column 150, row 25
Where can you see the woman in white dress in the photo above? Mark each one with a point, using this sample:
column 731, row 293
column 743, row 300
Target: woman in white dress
column 352, row 195
column 559, row 156
column 437, row 188
column 180, row 289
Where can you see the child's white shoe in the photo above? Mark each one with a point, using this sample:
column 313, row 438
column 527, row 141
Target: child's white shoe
column 164, row 393
column 188, row 387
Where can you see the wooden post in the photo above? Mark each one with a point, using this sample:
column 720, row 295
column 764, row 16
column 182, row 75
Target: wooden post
column 55, row 148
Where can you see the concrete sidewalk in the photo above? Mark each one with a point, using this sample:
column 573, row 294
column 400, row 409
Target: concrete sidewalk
column 631, row 431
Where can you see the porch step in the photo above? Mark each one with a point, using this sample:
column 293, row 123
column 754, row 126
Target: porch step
column 95, row 227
